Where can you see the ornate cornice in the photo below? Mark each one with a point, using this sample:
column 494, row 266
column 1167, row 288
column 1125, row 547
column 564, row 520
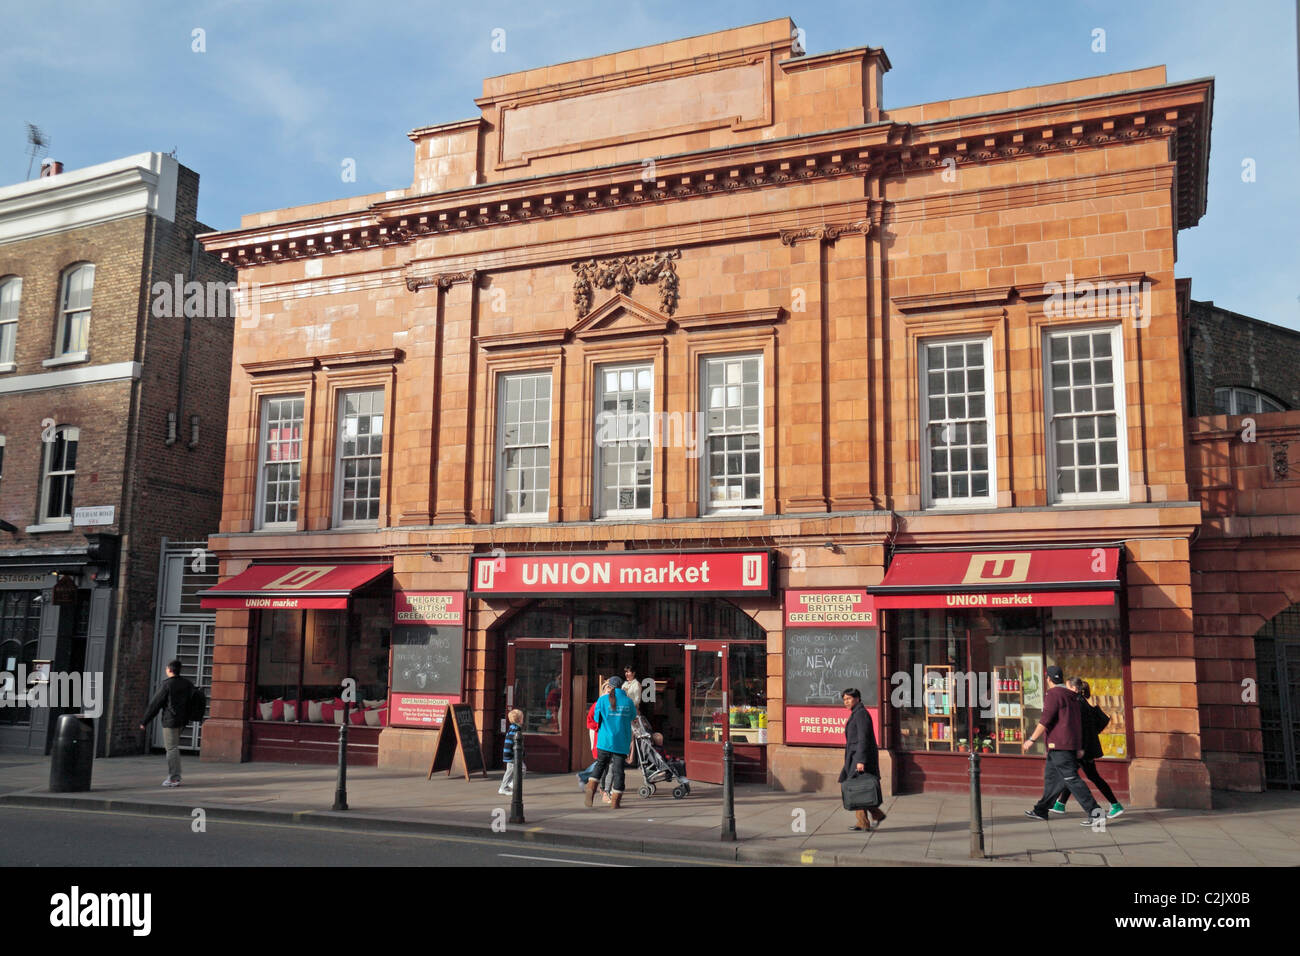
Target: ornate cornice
column 622, row 273
column 1178, row 112
column 441, row 280
column 826, row 232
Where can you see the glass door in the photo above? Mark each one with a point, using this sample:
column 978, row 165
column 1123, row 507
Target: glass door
column 706, row 705
column 727, row 700
column 539, row 675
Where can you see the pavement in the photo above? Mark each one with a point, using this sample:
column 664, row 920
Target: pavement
column 772, row 827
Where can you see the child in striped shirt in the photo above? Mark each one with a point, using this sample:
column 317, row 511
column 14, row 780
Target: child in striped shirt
column 516, row 717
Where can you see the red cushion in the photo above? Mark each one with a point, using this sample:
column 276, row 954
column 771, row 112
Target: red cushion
column 327, row 713
column 383, row 716
column 358, row 717
column 277, row 709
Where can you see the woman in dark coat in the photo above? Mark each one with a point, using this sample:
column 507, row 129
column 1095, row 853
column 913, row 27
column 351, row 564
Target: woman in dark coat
column 861, row 755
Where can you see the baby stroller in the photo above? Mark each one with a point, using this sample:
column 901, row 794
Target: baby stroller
column 653, row 766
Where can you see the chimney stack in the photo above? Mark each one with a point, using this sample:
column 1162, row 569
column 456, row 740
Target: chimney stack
column 50, row 167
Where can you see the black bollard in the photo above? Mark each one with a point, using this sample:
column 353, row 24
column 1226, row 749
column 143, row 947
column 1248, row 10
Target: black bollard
column 728, row 794
column 341, row 789
column 517, row 798
column 976, row 815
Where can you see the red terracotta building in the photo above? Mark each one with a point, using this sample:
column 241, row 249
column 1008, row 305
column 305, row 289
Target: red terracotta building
column 699, row 358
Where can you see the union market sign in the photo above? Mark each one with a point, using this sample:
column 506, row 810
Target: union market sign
column 624, row 574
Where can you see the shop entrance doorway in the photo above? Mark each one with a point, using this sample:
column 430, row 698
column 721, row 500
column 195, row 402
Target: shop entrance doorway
column 559, row 651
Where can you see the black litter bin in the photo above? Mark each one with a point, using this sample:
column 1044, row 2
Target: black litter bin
column 74, row 754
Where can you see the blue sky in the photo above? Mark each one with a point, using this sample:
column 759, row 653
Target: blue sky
column 286, row 91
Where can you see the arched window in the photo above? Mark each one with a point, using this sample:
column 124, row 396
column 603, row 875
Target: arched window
column 1234, row 400
column 11, row 293
column 74, row 310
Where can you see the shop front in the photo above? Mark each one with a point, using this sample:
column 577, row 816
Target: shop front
column 321, row 637
column 971, row 634
column 699, row 659
column 44, row 627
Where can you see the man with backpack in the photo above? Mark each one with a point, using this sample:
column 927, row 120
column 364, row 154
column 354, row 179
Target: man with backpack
column 180, row 702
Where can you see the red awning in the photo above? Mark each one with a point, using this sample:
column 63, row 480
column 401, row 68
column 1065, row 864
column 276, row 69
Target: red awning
column 292, row 587
column 1048, row 577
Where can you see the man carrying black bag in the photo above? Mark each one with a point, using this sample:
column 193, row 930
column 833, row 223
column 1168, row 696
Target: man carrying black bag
column 860, row 778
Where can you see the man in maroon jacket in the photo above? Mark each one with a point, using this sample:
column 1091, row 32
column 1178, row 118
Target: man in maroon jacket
column 1062, row 724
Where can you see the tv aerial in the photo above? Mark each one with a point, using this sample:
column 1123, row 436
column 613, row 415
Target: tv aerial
column 37, row 145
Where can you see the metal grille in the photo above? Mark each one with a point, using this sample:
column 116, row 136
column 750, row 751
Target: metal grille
column 1277, row 659
column 185, row 632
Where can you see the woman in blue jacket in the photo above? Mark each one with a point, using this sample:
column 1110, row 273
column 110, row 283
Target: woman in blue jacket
column 614, row 714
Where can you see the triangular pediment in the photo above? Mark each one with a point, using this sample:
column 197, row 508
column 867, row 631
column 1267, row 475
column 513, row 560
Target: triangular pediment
column 621, row 315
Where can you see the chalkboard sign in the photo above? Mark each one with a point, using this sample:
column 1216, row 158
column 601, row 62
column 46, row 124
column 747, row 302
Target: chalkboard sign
column 427, row 660
column 820, row 662
column 458, row 730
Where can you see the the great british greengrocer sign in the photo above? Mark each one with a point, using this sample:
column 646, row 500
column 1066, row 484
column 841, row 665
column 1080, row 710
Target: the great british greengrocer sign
column 625, row 573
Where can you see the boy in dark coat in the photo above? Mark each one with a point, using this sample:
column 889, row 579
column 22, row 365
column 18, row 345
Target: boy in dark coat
column 861, row 755
column 173, row 699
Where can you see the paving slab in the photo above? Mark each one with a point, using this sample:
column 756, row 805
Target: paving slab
column 920, row 829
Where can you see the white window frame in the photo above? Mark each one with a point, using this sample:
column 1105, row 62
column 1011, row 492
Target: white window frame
column 990, row 499
column 259, row 515
column 599, row 456
column 61, row 331
column 341, row 419
column 1121, row 414
column 70, row 433
column 745, row 505
column 11, row 297
column 502, row 472
column 1235, row 393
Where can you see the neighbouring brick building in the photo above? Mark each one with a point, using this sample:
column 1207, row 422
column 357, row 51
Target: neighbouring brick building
column 699, row 358
column 1244, row 467
column 1239, row 364
column 112, row 415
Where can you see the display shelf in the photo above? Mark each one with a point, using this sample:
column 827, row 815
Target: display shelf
column 938, row 708
column 1008, row 710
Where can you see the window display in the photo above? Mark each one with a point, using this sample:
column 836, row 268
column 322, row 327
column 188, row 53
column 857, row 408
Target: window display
column 301, row 672
column 990, row 700
column 1089, row 648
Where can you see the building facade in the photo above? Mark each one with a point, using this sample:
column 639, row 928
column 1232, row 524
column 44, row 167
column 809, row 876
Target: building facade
column 112, row 418
column 698, row 358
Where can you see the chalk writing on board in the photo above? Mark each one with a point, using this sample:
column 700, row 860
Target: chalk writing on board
column 822, row 662
column 427, row 659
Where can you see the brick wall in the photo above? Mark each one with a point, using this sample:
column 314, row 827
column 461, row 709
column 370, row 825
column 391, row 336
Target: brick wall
column 1245, row 571
column 176, row 489
column 1228, row 349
